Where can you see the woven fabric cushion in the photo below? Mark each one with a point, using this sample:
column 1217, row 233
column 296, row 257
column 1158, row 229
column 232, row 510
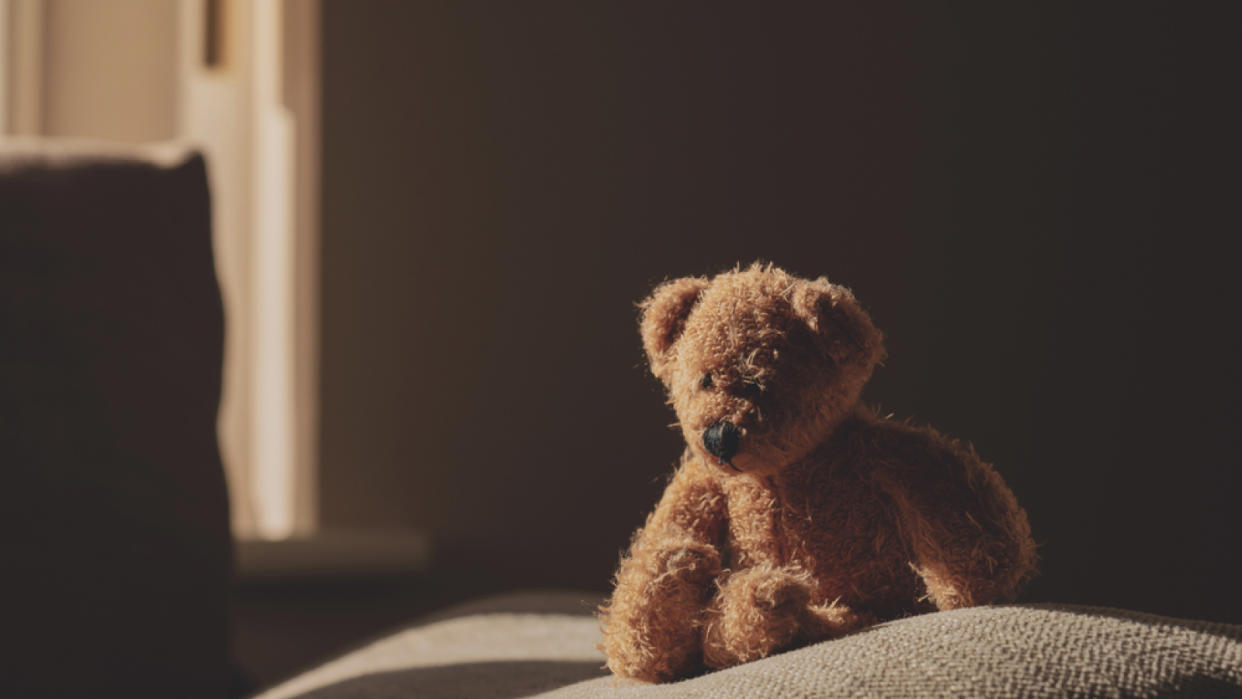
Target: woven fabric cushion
column 1031, row 650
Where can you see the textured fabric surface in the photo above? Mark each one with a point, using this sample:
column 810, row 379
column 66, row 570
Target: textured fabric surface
column 1008, row 651
column 114, row 505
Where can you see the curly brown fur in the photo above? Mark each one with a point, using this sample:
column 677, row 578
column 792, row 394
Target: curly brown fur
column 827, row 518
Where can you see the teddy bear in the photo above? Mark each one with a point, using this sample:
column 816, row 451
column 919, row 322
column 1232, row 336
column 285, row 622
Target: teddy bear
column 796, row 514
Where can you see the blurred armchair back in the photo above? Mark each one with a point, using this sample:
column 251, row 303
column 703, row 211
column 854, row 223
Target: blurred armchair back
column 114, row 501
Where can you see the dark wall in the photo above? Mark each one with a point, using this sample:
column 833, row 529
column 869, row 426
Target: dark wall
column 1040, row 207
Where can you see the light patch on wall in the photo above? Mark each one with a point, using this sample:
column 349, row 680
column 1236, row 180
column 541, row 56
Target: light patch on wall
column 275, row 479
column 236, row 74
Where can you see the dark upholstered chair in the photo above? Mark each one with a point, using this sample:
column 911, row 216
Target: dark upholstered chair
column 118, row 553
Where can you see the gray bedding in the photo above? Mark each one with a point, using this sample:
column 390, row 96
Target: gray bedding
column 546, row 648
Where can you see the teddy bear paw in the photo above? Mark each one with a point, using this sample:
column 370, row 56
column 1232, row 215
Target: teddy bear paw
column 757, row 612
column 833, row 620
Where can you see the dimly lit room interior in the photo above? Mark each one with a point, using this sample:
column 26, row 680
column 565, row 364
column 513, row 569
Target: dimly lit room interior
column 319, row 318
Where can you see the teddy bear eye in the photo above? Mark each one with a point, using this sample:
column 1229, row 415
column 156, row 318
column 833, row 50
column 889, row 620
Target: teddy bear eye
column 706, row 381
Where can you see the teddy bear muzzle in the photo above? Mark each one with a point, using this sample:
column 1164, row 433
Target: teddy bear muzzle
column 721, row 441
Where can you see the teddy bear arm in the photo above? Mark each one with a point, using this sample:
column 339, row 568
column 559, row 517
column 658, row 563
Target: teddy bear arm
column 651, row 624
column 969, row 539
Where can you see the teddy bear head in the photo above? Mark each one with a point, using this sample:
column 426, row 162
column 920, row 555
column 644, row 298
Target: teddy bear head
column 760, row 366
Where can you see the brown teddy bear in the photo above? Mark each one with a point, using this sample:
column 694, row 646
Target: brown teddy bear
column 796, row 514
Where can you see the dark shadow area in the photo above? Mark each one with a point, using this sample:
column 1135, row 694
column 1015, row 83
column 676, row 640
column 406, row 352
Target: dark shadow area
column 490, row 680
column 1201, row 688
column 282, row 628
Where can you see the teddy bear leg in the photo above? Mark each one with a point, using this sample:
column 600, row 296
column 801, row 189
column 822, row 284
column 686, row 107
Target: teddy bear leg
column 985, row 570
column 758, row 611
column 651, row 622
column 967, row 586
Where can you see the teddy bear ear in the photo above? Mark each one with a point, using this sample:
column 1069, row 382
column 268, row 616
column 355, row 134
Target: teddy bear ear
column 842, row 329
column 664, row 315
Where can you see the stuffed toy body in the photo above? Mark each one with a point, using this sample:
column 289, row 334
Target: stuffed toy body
column 796, row 514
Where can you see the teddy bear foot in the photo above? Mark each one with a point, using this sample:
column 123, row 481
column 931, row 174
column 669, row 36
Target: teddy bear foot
column 757, row 612
column 833, row 620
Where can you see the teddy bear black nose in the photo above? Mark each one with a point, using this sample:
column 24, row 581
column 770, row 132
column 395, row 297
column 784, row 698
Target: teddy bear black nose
column 721, row 440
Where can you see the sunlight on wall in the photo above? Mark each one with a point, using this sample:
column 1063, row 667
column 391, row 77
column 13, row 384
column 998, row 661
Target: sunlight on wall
column 275, row 476
column 255, row 113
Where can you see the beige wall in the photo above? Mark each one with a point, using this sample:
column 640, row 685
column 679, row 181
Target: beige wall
column 110, row 69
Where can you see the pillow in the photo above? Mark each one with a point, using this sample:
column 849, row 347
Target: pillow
column 1021, row 650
